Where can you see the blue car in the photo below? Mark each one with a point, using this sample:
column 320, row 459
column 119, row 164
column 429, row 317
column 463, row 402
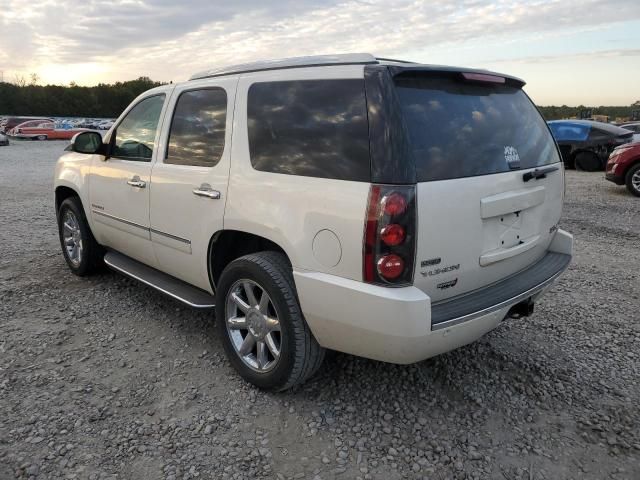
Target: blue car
column 585, row 144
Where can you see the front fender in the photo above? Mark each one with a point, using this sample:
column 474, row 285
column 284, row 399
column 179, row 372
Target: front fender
column 72, row 171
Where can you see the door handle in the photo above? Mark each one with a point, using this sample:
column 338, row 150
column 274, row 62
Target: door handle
column 205, row 190
column 136, row 182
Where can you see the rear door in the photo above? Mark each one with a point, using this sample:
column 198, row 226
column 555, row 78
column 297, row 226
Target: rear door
column 190, row 178
column 481, row 218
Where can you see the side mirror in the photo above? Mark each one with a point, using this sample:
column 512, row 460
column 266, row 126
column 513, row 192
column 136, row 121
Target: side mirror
column 87, row 142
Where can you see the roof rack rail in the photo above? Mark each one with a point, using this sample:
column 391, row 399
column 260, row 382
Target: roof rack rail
column 295, row 62
column 395, row 60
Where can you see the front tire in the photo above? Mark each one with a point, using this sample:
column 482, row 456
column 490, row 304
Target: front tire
column 259, row 320
column 80, row 249
column 632, row 180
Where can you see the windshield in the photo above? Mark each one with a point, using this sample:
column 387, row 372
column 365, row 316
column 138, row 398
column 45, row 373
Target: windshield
column 460, row 129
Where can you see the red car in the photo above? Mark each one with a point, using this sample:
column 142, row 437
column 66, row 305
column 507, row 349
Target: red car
column 43, row 130
column 623, row 167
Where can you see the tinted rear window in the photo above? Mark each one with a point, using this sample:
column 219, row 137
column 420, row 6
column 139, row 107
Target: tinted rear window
column 461, row 129
column 198, row 128
column 315, row 128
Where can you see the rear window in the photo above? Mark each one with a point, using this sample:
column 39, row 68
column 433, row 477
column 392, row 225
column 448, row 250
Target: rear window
column 565, row 132
column 314, row 128
column 461, row 129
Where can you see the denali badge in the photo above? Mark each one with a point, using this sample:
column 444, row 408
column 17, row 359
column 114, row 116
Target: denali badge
column 449, row 284
column 431, row 261
column 512, row 157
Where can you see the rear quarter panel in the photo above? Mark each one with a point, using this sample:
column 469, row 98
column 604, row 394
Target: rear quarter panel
column 291, row 210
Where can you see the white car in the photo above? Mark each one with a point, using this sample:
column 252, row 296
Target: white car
column 635, row 128
column 106, row 125
column 381, row 208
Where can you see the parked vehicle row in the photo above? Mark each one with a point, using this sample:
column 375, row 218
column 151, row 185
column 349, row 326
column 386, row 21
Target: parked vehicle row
column 386, row 209
column 43, row 130
column 49, row 128
column 591, row 146
column 585, row 144
column 8, row 123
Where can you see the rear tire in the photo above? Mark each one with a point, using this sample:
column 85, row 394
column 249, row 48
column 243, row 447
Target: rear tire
column 250, row 336
column 41, row 137
column 632, row 180
column 588, row 162
column 81, row 251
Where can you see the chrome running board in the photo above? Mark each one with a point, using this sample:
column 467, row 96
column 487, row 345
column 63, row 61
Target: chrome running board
column 171, row 286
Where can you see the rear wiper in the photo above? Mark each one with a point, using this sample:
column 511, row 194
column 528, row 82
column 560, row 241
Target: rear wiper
column 539, row 173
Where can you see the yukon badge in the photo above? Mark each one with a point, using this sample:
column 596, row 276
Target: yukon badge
column 512, row 157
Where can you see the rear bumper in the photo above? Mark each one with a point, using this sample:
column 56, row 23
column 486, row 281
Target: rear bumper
column 400, row 325
column 617, row 179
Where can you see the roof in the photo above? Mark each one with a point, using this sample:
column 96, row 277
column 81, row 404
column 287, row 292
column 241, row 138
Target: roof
column 339, row 59
column 294, row 62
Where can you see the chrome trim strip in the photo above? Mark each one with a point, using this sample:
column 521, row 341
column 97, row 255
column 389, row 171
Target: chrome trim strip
column 173, row 237
column 152, row 285
column 113, row 217
column 498, row 306
column 133, row 224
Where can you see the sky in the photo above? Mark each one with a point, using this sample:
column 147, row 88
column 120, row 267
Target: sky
column 569, row 52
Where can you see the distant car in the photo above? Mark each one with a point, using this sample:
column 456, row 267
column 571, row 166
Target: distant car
column 43, row 130
column 635, row 128
column 623, row 167
column 91, row 124
column 106, row 125
column 4, row 140
column 585, row 144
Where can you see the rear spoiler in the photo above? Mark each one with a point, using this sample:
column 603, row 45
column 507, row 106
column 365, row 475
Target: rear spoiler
column 467, row 74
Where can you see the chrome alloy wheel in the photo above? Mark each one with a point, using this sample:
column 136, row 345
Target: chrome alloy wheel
column 253, row 325
column 72, row 237
column 635, row 180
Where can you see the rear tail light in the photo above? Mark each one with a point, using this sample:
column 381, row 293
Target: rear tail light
column 392, row 235
column 390, row 266
column 388, row 251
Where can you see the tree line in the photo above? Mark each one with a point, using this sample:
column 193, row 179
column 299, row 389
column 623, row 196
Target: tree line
column 109, row 100
column 613, row 112
column 103, row 100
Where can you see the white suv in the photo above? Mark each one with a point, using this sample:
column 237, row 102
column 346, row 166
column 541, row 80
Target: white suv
column 382, row 208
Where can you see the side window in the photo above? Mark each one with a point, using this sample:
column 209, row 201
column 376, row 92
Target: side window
column 314, row 128
column 197, row 128
column 135, row 136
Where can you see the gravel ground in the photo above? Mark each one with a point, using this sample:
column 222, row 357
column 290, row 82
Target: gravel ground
column 105, row 378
